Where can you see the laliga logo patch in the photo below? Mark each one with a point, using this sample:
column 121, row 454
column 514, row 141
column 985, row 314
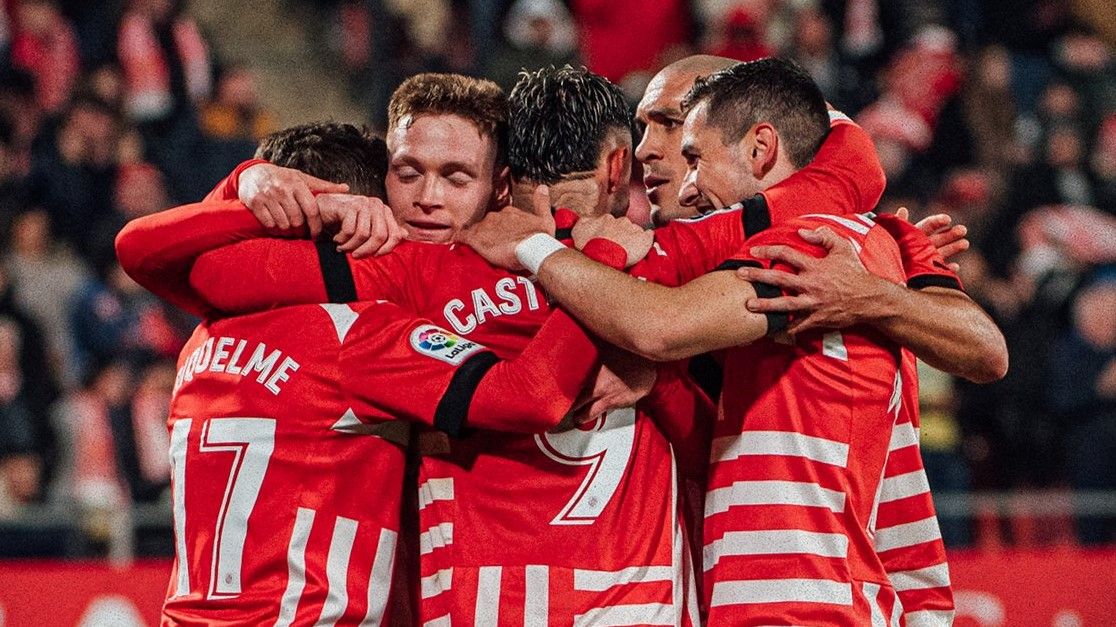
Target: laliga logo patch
column 440, row 344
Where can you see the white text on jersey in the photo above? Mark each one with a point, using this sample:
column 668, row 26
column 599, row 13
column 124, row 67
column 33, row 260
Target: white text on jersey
column 272, row 368
column 508, row 301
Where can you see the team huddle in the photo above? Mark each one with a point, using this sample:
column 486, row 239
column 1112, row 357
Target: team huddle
column 441, row 379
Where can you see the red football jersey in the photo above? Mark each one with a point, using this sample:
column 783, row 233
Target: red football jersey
column 526, row 529
column 287, row 472
column 798, row 455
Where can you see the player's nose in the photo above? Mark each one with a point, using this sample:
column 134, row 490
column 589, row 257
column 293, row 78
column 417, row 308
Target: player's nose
column 430, row 197
column 648, row 148
column 688, row 194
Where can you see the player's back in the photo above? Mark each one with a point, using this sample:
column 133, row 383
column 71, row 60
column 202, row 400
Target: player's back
column 528, row 529
column 286, row 511
column 796, row 463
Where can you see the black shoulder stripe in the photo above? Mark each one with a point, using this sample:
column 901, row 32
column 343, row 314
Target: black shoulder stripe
column 921, row 281
column 336, row 273
column 733, row 264
column 756, row 215
column 563, row 234
column 776, row 321
column 453, row 409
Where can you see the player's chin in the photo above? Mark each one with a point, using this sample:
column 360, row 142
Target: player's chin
column 431, row 234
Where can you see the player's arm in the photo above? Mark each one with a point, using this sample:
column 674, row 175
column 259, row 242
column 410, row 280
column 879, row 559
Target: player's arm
column 656, row 322
column 414, row 370
column 158, row 250
column 932, row 316
column 685, row 414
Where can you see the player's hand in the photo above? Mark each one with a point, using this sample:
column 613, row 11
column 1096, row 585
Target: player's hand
column 947, row 237
column 833, row 292
column 623, row 379
column 283, row 197
column 636, row 240
column 365, row 226
column 496, row 236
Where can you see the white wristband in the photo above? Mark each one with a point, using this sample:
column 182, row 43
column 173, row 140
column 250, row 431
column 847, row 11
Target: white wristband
column 532, row 251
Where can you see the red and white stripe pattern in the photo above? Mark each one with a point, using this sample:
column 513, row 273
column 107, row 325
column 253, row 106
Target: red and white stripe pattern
column 908, row 539
column 542, row 594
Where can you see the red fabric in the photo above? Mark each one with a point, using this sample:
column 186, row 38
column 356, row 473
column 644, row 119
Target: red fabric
column 921, row 260
column 607, row 252
column 797, row 460
column 52, row 59
column 158, row 250
column 622, row 36
column 249, row 444
column 146, row 75
column 535, row 391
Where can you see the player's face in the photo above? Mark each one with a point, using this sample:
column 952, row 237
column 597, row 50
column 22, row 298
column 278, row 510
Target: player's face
column 441, row 176
column 659, row 150
column 718, row 172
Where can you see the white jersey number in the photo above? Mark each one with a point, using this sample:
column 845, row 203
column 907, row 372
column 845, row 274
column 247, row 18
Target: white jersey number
column 605, row 447
column 251, row 441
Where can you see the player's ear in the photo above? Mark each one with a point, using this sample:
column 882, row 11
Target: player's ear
column 764, row 151
column 619, row 161
column 501, row 187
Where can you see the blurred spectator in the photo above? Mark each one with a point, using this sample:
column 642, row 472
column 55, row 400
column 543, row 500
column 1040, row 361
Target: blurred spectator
column 95, row 24
column 44, row 45
column 990, row 111
column 813, row 49
column 45, row 276
column 72, row 172
column 619, row 37
column 236, row 113
column 941, row 442
column 1087, row 66
column 1059, row 178
column 86, row 413
column 539, row 33
column 166, row 68
column 20, row 108
column 164, row 59
column 21, row 468
column 741, row 36
column 1082, row 392
column 1103, row 163
column 40, row 386
column 140, row 190
column 114, row 318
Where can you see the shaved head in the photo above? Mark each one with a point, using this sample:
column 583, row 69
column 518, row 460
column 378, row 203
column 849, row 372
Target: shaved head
column 697, row 65
column 660, row 150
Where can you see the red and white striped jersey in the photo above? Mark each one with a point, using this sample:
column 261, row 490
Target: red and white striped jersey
column 287, row 477
column 908, row 539
column 797, row 461
column 536, row 529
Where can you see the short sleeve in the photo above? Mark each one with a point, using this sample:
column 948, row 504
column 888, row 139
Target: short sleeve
column 923, row 265
column 783, row 235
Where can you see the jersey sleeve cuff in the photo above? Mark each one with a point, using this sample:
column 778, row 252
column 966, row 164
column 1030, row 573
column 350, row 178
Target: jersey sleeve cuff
column 777, row 321
column 922, row 281
column 607, row 252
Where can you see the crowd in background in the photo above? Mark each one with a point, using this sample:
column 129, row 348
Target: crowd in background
column 1002, row 114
